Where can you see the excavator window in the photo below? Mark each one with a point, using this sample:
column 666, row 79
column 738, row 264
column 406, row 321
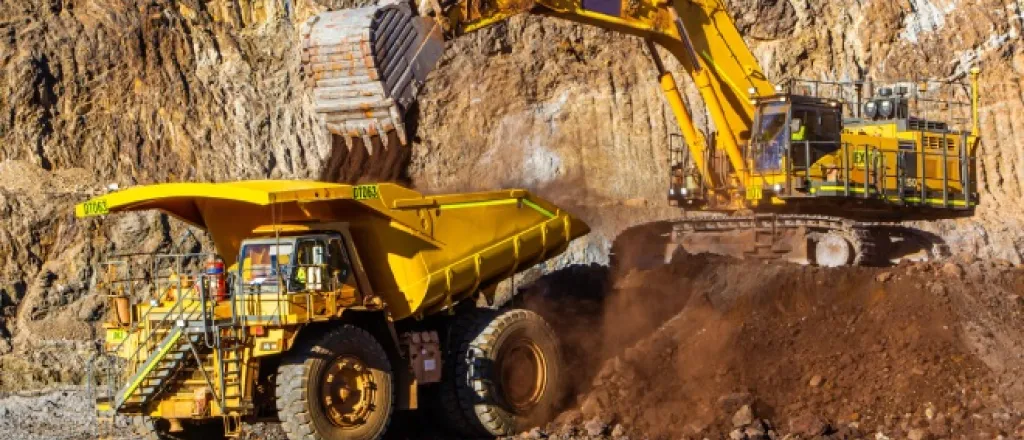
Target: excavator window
column 793, row 130
column 829, row 125
column 772, row 137
column 815, row 131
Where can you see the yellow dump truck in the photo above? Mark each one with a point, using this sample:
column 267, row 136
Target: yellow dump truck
column 327, row 307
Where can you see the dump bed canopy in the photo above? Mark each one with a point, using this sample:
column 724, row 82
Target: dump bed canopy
column 189, row 201
column 230, row 211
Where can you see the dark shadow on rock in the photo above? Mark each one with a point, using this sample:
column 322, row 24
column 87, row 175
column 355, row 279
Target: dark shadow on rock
column 900, row 242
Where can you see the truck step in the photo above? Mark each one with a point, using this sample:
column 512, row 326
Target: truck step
column 134, row 386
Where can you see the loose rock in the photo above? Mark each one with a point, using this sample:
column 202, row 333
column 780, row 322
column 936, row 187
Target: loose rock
column 743, row 417
column 808, row 425
column 953, row 270
column 618, row 431
column 918, row 434
column 595, row 427
column 815, row 381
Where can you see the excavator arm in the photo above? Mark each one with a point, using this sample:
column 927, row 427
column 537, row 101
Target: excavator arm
column 367, row 64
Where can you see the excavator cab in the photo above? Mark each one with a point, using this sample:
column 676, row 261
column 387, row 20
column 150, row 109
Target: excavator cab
column 791, row 132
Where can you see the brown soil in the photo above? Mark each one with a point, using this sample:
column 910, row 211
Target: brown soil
column 674, row 351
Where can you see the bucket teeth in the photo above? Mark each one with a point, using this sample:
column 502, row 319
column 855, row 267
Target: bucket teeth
column 365, row 67
column 368, row 143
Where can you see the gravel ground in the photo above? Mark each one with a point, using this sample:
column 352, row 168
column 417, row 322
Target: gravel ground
column 67, row 414
column 47, row 415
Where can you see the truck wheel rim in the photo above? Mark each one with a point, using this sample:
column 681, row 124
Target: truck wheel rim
column 347, row 392
column 523, row 374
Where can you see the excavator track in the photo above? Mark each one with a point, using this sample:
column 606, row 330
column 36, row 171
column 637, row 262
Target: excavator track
column 795, row 237
column 364, row 67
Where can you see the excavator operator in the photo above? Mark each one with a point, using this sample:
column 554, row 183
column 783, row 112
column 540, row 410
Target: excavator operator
column 798, row 130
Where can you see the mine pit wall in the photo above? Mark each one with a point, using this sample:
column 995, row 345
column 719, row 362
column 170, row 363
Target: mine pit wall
column 99, row 93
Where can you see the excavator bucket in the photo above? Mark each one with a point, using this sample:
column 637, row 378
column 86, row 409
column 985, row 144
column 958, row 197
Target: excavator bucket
column 365, row 67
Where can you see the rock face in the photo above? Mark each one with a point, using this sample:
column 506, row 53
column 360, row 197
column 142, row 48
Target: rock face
column 141, row 92
column 115, row 91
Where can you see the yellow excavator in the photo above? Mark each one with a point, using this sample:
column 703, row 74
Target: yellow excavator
column 821, row 172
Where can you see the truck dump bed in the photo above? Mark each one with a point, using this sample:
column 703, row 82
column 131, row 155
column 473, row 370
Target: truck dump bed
column 420, row 252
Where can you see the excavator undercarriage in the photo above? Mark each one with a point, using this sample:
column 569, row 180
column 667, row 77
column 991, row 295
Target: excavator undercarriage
column 803, row 239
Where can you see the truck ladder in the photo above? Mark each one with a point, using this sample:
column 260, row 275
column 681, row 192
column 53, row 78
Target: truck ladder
column 230, row 356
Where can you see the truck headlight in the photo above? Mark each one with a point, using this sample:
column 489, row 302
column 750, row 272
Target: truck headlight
column 777, row 188
column 683, row 192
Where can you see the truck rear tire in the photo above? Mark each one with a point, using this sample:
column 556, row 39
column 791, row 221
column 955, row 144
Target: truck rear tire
column 338, row 387
column 502, row 373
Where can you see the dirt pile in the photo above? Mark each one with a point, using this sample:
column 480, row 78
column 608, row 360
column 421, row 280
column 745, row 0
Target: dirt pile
column 680, row 350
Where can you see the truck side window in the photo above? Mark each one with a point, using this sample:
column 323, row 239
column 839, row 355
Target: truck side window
column 340, row 267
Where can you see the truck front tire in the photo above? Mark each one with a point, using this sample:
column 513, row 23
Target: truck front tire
column 338, row 387
column 502, row 373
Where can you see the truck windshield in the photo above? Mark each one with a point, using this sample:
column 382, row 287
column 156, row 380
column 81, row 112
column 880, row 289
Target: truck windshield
column 771, row 137
column 262, row 261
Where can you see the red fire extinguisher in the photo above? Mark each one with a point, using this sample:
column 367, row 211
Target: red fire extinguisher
column 216, row 279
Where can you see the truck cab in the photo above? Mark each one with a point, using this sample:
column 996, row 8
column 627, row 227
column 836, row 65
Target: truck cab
column 296, row 263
